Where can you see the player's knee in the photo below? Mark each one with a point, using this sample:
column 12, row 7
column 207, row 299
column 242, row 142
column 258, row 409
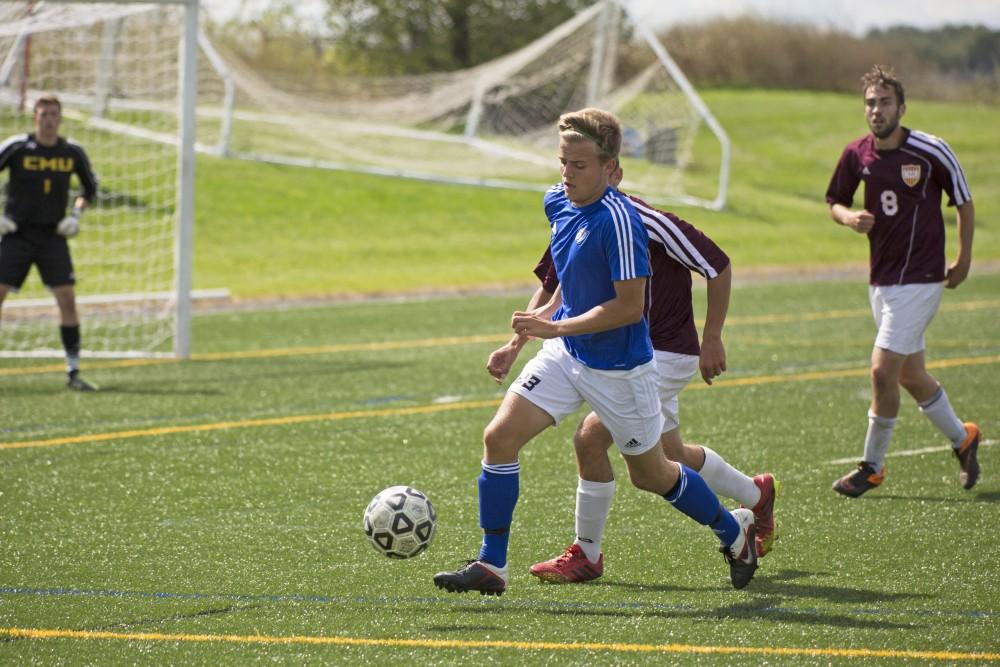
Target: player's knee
column 658, row 479
column 883, row 378
column 499, row 441
column 644, row 481
column 591, row 437
column 589, row 448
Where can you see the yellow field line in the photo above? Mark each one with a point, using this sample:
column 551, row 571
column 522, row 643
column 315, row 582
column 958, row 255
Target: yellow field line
column 31, row 633
column 853, row 312
column 826, row 375
column 443, row 407
column 274, row 352
column 250, row 423
column 440, row 342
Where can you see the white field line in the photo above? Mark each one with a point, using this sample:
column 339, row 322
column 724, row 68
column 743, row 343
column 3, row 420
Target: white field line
column 910, row 452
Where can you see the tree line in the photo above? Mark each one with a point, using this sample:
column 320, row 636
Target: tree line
column 408, row 37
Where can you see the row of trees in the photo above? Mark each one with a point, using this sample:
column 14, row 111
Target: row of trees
column 405, row 37
column 393, row 37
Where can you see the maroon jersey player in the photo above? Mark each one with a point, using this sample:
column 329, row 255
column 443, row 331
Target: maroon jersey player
column 906, row 176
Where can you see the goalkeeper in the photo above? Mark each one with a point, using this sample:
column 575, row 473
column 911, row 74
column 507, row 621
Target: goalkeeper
column 34, row 226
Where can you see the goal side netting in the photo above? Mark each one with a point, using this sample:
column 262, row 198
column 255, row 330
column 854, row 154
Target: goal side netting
column 119, row 72
column 494, row 124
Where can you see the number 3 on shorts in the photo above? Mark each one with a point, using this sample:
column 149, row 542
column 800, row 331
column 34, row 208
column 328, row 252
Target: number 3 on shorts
column 890, row 204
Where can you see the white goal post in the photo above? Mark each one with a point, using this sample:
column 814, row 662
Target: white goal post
column 127, row 75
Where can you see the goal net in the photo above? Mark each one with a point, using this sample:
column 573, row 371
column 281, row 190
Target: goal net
column 117, row 70
column 494, row 124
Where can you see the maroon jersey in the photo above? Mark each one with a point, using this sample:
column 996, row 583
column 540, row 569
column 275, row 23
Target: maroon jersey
column 676, row 248
column 903, row 190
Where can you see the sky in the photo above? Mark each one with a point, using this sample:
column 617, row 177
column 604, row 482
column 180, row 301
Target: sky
column 854, row 16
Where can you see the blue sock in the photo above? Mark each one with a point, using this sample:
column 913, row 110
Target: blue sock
column 498, row 489
column 692, row 496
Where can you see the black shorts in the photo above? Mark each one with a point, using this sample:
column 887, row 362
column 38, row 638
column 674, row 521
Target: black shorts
column 42, row 247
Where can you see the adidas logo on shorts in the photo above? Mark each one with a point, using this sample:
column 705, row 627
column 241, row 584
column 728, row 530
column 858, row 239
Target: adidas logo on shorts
column 632, row 443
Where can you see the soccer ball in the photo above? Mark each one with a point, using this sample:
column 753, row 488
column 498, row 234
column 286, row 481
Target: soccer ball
column 400, row 522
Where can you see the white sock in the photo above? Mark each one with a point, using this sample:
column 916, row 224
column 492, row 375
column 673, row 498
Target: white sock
column 593, row 504
column 877, row 439
column 727, row 481
column 938, row 409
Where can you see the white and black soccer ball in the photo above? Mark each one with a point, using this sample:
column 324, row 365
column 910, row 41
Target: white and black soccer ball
column 400, row 522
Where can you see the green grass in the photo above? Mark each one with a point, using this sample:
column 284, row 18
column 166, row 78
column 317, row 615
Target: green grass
column 266, row 230
column 222, row 496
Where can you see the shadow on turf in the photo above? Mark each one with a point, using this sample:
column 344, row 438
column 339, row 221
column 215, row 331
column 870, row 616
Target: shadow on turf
column 764, row 606
column 464, row 628
column 158, row 391
column 770, row 592
column 973, row 497
column 120, row 389
column 146, row 622
column 779, row 583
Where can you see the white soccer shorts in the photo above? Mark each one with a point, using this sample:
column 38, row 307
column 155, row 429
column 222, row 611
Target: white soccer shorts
column 675, row 371
column 627, row 402
column 903, row 313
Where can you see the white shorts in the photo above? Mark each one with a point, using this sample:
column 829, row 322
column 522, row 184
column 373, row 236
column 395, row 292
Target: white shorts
column 627, row 402
column 903, row 313
column 675, row 372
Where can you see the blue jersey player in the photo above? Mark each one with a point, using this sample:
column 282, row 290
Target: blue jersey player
column 597, row 350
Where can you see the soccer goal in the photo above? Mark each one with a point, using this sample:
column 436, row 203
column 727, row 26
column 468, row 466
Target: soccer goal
column 126, row 74
column 494, row 124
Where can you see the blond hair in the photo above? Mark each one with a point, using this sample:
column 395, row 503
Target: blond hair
column 596, row 125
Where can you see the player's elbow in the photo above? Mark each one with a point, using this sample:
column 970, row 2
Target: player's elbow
column 632, row 313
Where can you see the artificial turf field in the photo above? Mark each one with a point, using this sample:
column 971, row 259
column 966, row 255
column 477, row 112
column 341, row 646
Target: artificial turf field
column 209, row 511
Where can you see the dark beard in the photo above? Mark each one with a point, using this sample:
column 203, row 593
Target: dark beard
column 889, row 129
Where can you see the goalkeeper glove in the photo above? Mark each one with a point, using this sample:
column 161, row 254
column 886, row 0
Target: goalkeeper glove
column 70, row 225
column 7, row 226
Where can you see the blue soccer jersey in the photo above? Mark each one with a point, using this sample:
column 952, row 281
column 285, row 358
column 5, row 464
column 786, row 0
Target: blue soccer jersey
column 592, row 247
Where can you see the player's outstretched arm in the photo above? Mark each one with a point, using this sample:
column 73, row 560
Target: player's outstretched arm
column 502, row 359
column 958, row 270
column 712, row 362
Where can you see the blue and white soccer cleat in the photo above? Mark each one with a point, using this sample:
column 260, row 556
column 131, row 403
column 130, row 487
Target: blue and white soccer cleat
column 475, row 575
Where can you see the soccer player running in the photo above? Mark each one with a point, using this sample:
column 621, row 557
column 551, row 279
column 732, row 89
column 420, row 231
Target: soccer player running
column 34, row 226
column 597, row 349
column 676, row 248
column 905, row 173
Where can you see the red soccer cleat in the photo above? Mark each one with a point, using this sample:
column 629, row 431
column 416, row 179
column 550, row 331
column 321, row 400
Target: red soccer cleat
column 571, row 567
column 763, row 512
